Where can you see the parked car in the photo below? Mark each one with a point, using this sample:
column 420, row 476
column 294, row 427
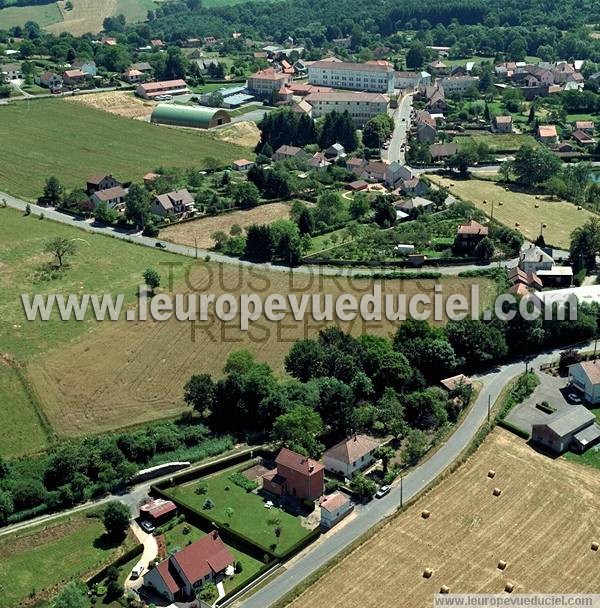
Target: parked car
column 574, row 397
column 147, row 526
column 137, row 571
column 383, row 491
column 160, row 245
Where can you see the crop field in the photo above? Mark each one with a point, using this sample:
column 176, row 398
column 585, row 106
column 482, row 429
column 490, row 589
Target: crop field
column 121, row 103
column 247, row 514
column 135, row 371
column 43, row 14
column 561, row 217
column 497, row 142
column 542, row 526
column 39, row 560
column 199, row 231
column 94, row 141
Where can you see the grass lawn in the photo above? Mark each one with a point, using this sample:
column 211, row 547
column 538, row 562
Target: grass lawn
column 249, row 517
column 42, row 559
column 95, row 141
column 590, row 457
column 454, row 62
column 34, row 89
column 176, row 540
column 498, row 142
column 43, row 14
column 21, row 431
column 574, row 117
column 561, row 217
column 244, row 110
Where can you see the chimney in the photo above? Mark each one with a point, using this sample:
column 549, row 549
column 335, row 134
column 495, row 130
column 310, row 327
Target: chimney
column 311, row 468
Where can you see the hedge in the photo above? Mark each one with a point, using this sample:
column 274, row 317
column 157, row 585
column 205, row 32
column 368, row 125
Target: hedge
column 123, row 559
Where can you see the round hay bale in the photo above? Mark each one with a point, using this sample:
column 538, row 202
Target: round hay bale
column 444, row 589
column 509, row 587
column 427, row 573
column 497, row 491
column 425, row 514
column 507, row 188
column 491, row 473
column 501, row 564
column 537, row 205
column 500, row 203
column 579, row 207
column 517, row 224
column 595, row 546
column 485, row 201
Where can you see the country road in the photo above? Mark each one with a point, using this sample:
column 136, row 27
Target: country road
column 192, row 252
column 415, row 481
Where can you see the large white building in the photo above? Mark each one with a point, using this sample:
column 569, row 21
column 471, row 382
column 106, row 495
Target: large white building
column 360, row 106
column 374, row 76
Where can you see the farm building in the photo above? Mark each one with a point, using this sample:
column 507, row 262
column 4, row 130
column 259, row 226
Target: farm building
column 187, row 116
column 573, row 427
column 150, row 90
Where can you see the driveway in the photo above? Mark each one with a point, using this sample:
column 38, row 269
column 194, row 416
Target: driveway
column 149, row 555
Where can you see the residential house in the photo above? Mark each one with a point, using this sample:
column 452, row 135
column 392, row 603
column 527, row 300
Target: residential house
column 547, row 134
column 242, row 165
column 502, row 124
column 379, row 171
column 335, row 152
column 412, row 80
column 587, row 126
column 585, row 377
column 573, row 427
column 458, row 85
column 436, row 100
column 302, row 107
column 176, row 204
column 469, row 235
column 101, row 181
column 583, row 138
column 372, row 76
column 534, row 259
column 133, row 76
column 334, row 508
column 284, row 152
column 440, row 152
column 357, row 186
column 415, row 206
column 179, row 577
column 266, row 84
column 296, row 476
column 318, row 162
column 438, row 67
column 356, row 165
column 87, row 66
column 350, row 455
column 157, row 43
column 142, row 66
column 113, row 197
column 50, row 80
column 454, row 382
column 150, row 178
column 11, row 71
column 149, row 90
column 426, row 127
column 529, row 280
column 74, row 77
column 360, row 105
column 412, row 186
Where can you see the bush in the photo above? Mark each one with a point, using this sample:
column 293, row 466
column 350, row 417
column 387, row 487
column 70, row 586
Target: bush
column 524, row 386
column 208, row 504
column 243, row 482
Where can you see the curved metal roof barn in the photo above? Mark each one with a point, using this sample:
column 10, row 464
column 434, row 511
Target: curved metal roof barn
column 187, row 116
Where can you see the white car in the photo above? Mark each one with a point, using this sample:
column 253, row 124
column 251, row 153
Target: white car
column 574, row 397
column 137, row 571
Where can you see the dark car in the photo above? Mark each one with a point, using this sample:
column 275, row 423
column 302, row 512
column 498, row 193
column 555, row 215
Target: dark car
column 160, row 245
column 383, row 491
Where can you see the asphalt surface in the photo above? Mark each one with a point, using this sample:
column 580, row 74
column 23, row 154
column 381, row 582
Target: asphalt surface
column 415, row 481
column 401, row 116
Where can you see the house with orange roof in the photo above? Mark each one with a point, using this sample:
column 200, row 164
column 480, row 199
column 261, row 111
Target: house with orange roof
column 351, row 455
column 547, row 134
column 295, row 475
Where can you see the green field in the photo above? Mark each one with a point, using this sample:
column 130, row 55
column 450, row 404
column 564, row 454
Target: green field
column 55, row 137
column 249, row 518
column 43, row 14
column 498, row 142
column 176, row 539
column 44, row 558
column 21, row 431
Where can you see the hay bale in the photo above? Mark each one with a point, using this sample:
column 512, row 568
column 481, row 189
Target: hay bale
column 501, row 564
column 497, row 491
column 491, row 473
column 537, row 205
column 595, row 546
column 425, row 514
column 509, row 587
column 444, row 589
column 517, row 224
column 427, row 573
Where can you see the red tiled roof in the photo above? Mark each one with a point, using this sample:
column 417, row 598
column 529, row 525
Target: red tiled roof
column 334, row 502
column 473, row 227
column 158, row 509
column 352, row 449
column 168, row 577
column 297, row 462
column 209, row 554
column 592, row 370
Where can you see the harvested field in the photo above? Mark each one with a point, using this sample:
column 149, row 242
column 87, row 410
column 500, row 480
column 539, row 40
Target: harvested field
column 127, row 373
column 85, row 16
column 542, row 525
column 560, row 216
column 240, row 133
column 202, row 229
column 121, row 103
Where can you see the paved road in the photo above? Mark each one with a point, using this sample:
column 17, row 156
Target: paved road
column 192, row 252
column 415, row 481
column 401, row 116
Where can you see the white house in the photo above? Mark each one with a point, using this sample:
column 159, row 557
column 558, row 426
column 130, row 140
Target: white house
column 350, row 455
column 586, row 377
column 534, row 259
column 334, row 508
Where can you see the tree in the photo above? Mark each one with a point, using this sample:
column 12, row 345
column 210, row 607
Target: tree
column 72, row 595
column 152, row 279
column 416, row 445
column 415, row 56
column 199, row 392
column 535, row 165
column 363, row 486
column 53, row 192
column 137, row 205
column 298, row 430
column 484, row 250
column 477, row 342
column 385, row 454
column 208, row 593
column 60, row 248
column 105, row 214
column 384, row 211
column 260, row 243
column 116, row 518
column 245, row 195
column 585, row 244
column 359, row 206
column 462, row 160
column 6, row 506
